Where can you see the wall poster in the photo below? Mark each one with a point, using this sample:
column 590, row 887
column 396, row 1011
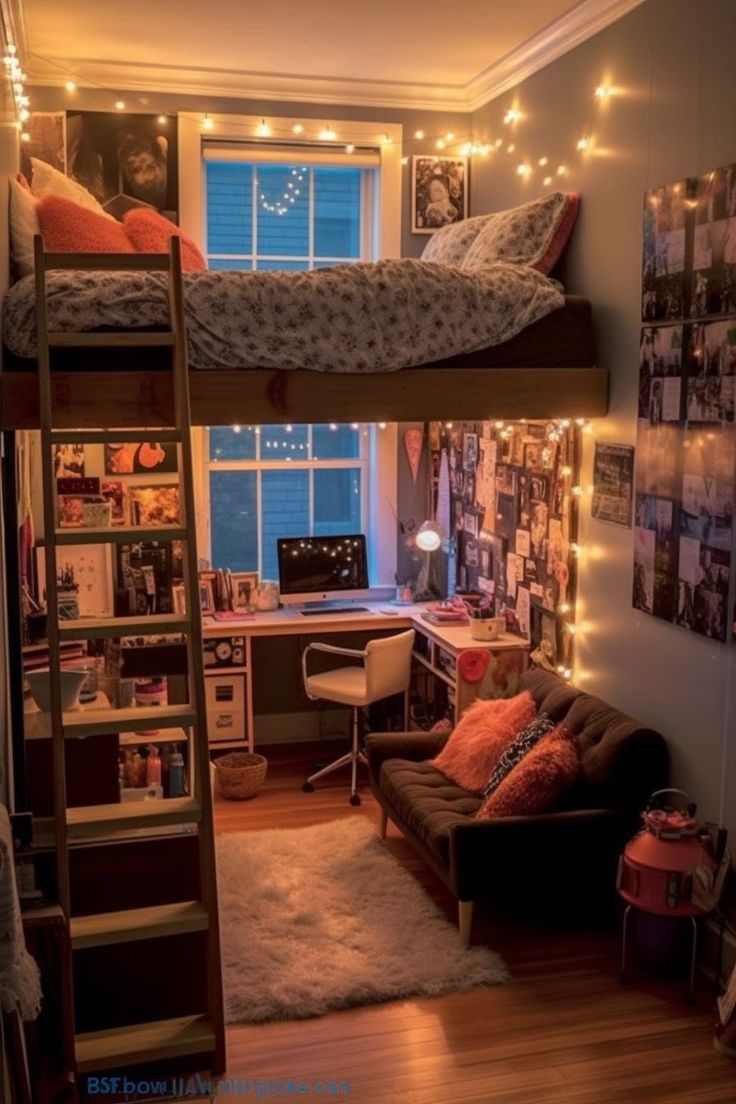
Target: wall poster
column 686, row 452
column 613, row 483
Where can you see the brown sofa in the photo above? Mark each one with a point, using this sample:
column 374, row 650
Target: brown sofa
column 536, row 858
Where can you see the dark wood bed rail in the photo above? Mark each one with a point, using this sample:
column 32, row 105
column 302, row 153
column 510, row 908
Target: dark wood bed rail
column 259, row 397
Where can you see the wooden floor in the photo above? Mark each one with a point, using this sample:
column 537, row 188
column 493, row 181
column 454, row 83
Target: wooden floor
column 563, row 1031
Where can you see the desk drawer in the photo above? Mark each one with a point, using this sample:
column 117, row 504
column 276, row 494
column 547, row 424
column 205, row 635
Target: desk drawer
column 225, row 724
column 225, row 692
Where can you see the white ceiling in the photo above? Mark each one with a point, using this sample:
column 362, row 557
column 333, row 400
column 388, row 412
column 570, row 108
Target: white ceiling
column 423, row 53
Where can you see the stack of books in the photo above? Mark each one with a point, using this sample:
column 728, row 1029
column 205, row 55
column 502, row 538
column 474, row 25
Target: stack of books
column 36, row 656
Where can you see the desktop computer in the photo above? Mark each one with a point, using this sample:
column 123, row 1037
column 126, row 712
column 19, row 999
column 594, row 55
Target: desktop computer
column 323, row 574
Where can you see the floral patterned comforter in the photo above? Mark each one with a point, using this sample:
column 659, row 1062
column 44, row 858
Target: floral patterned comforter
column 352, row 318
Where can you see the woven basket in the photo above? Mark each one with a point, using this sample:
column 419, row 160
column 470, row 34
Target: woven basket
column 239, row 775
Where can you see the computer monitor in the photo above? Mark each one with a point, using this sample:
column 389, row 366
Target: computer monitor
column 322, row 569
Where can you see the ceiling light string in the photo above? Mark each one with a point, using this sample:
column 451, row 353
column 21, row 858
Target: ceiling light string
column 17, row 79
column 71, row 84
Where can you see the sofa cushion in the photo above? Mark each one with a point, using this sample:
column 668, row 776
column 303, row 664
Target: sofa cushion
column 537, row 781
column 69, row 228
column 427, row 802
column 521, row 744
column 483, row 733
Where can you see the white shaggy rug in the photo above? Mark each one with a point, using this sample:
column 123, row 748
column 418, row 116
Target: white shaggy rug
column 320, row 918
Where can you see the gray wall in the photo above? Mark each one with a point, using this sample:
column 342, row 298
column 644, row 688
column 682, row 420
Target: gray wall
column 431, row 122
column 673, row 63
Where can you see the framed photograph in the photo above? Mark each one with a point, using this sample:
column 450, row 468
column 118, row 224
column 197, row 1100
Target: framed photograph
column 88, row 568
column 140, row 458
column 613, row 482
column 244, row 583
column 69, row 511
column 158, row 505
column 69, row 461
column 116, row 493
column 439, row 194
column 206, row 594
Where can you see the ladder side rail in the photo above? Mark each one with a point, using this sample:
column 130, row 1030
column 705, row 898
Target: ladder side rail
column 197, row 697
column 52, row 601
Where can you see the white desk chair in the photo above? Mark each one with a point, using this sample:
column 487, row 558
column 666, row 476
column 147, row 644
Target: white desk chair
column 385, row 671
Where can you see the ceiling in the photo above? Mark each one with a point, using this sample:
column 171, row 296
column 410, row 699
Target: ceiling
column 403, row 53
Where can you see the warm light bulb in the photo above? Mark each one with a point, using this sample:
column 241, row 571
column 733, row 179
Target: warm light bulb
column 207, row 123
column 440, row 143
column 25, row 136
column 382, row 425
column 120, row 105
column 524, row 170
column 418, row 134
column 449, row 136
column 547, row 181
column 576, row 549
column 542, row 161
column 350, row 148
column 71, row 86
column 583, row 144
column 561, row 170
column 603, row 91
column 448, row 425
column 577, row 490
column 510, row 148
column 327, row 134
column 511, row 116
column 237, row 428
column 404, row 160
column 384, row 139
column 163, row 120
column 297, row 128
column 564, row 607
column 263, row 130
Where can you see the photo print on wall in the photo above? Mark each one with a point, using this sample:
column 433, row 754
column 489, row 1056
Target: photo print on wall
column 685, row 483
column 438, row 192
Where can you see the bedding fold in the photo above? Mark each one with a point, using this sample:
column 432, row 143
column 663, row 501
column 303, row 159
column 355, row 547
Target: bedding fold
column 352, row 318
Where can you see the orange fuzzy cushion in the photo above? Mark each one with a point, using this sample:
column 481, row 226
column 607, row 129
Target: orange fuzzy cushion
column 485, row 730
column 538, row 780
column 150, row 232
column 69, row 228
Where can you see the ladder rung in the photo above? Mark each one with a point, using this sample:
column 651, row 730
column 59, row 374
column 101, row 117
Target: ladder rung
column 105, row 628
column 113, row 436
column 119, row 534
column 99, row 820
column 138, row 339
column 131, row 925
column 149, row 1042
column 95, row 262
column 97, row 722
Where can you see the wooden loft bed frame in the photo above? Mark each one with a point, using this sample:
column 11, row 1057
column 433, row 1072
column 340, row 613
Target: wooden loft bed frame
column 139, row 394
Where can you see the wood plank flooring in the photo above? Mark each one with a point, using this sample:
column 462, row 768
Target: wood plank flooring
column 563, row 1031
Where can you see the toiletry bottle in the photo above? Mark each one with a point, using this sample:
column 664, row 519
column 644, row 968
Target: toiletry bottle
column 153, row 766
column 177, row 777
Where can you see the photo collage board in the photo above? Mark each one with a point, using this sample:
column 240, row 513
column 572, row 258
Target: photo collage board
column 512, row 512
column 686, row 439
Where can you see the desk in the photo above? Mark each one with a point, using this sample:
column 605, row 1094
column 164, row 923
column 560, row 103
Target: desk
column 437, row 649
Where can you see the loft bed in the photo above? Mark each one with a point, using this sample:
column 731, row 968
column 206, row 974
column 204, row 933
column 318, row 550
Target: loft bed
column 547, row 370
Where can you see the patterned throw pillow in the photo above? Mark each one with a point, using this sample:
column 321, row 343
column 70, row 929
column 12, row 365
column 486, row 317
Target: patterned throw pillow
column 450, row 244
column 523, row 742
column 539, row 780
column 48, row 181
column 534, row 234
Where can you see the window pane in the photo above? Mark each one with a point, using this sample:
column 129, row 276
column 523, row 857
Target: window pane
column 337, row 212
column 234, row 519
column 282, row 442
column 227, row 443
column 229, row 208
column 285, row 234
column 282, row 266
column 340, row 443
column 220, row 263
column 336, row 501
column 284, row 513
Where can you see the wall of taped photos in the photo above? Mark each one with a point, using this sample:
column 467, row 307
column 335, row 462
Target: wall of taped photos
column 513, row 515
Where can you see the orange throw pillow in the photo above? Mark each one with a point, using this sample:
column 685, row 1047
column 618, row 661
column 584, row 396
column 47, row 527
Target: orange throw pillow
column 69, row 228
column 538, row 780
column 150, row 232
column 485, row 730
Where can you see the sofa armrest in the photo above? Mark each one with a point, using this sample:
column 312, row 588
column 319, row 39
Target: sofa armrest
column 416, row 746
column 582, row 842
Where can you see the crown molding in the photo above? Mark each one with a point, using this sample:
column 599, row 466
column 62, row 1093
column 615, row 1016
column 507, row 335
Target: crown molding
column 583, row 21
column 559, row 37
column 236, row 84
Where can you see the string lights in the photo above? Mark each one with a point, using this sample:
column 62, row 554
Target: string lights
column 288, row 197
column 18, row 79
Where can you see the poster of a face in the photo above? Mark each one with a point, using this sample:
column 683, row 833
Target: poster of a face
column 125, row 161
column 439, row 192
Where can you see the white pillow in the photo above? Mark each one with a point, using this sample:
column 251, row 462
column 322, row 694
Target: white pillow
column 47, row 180
column 451, row 244
column 23, row 225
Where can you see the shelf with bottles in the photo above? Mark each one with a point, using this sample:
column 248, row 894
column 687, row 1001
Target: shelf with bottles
column 153, row 765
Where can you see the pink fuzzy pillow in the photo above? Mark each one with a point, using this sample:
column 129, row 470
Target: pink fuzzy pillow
column 485, row 730
column 150, row 232
column 535, row 784
column 69, row 228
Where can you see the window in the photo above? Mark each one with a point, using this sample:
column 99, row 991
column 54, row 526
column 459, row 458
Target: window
column 267, row 482
column 291, row 216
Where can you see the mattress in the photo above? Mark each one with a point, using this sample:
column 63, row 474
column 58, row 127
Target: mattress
column 364, row 318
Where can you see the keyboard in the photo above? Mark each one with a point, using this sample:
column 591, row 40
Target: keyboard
column 337, row 609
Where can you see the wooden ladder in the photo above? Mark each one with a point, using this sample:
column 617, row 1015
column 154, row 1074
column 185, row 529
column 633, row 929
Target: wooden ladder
column 202, row 1034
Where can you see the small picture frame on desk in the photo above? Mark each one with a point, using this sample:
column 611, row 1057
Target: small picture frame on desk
column 244, row 583
column 178, row 596
column 206, row 594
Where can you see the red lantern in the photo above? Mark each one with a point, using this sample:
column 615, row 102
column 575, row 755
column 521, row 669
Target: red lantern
column 666, row 860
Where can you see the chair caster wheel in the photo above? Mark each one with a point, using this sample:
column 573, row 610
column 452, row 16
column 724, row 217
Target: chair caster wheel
column 308, row 787
column 355, row 799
